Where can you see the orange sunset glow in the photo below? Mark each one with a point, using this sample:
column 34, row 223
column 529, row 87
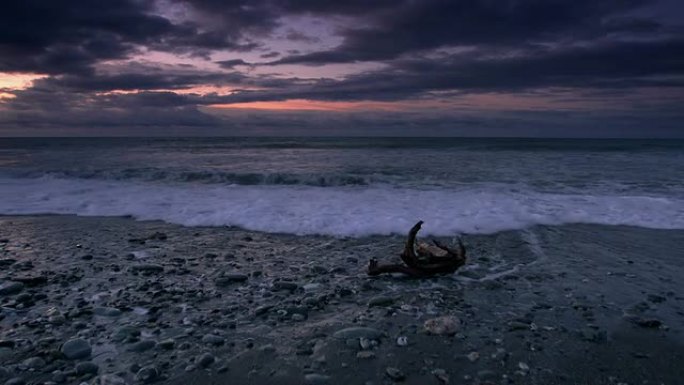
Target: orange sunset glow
column 15, row 81
column 314, row 105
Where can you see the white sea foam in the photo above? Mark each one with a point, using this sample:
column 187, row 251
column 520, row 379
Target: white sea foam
column 342, row 211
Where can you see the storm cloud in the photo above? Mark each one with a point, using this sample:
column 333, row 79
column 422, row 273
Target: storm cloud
column 449, row 67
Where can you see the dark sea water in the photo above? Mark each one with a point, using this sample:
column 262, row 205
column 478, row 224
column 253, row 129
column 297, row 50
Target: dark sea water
column 349, row 186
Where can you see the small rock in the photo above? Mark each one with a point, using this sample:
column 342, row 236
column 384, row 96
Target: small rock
column 125, row 332
column 148, row 268
column 167, row 344
column 107, row 311
column 358, row 332
column 517, row 325
column 649, row 323
column 446, row 325
column 486, row 374
column 229, row 279
column 212, row 339
column 87, row 367
column 395, row 374
column 147, row 375
column 31, row 280
column 402, row 341
column 108, row 379
column 473, row 356
column 142, row 346
column 311, row 286
column 261, row 310
column 380, row 301
column 77, row 348
column 9, row 288
column 364, row 343
column 365, row 354
column 34, row 363
column 441, row 375
column 315, row 378
column 284, row 285
column 206, row 360
column 59, row 377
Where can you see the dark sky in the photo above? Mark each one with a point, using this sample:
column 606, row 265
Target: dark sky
column 568, row 68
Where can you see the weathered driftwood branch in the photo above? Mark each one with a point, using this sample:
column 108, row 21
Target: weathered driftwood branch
column 423, row 260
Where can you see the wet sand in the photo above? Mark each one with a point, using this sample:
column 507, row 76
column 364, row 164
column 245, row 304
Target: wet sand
column 160, row 303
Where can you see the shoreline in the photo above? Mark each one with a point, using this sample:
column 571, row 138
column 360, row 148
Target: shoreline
column 550, row 304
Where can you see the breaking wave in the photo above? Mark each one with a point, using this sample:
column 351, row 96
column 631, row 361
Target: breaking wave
column 341, row 211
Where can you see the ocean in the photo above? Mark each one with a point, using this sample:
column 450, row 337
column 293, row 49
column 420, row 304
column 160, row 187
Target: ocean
column 349, row 187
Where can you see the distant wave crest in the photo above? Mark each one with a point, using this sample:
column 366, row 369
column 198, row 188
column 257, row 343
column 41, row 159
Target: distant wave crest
column 207, row 177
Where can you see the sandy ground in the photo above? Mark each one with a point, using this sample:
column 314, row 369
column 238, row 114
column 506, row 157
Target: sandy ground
column 150, row 302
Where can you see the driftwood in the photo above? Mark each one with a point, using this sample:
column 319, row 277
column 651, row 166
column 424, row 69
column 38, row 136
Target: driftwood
column 423, row 260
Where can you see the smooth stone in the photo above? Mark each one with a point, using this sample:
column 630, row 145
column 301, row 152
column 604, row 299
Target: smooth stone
column 282, row 285
column 315, row 378
column 213, row 339
column 125, row 332
column 9, row 288
column 365, row 354
column 380, row 301
column 649, row 323
column 311, row 286
column 142, row 346
column 107, row 311
column 358, row 332
column 147, row 375
column 77, row 348
column 441, row 375
column 262, row 309
column 108, row 379
column 87, row 367
column 31, row 280
column 228, row 279
column 395, row 374
column 58, row 376
column 517, row 325
column 147, row 268
column 473, row 356
column 402, row 341
column 34, row 362
column 446, row 325
column 167, row 344
column 206, row 360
